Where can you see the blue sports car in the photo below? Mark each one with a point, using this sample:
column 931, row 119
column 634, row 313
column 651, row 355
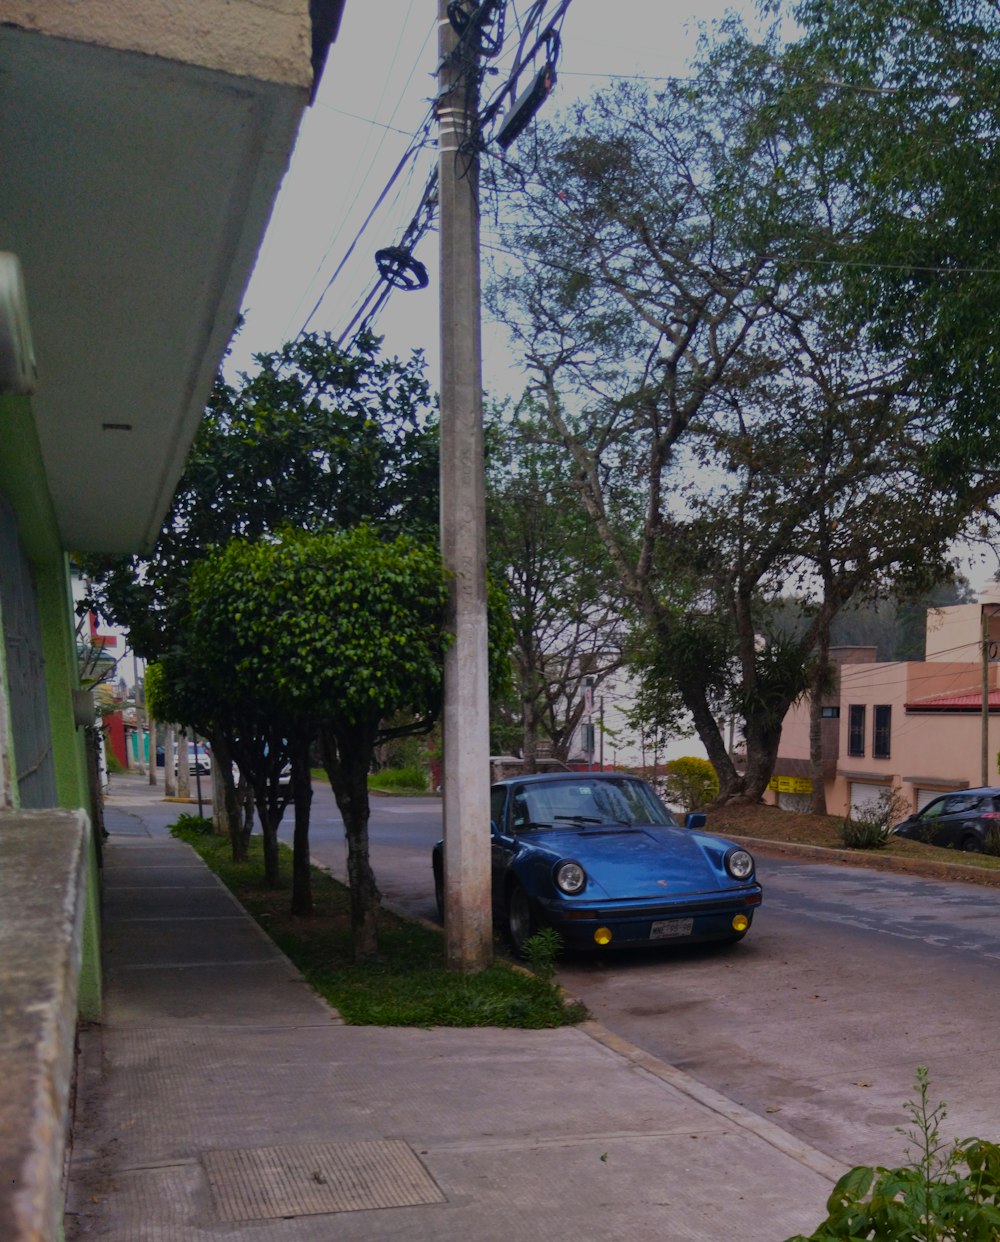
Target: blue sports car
column 598, row 857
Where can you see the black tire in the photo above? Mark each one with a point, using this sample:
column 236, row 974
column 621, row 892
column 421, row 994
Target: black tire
column 971, row 844
column 521, row 921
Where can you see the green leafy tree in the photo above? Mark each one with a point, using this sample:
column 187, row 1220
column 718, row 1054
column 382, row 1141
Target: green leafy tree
column 730, row 431
column 690, row 781
column 898, row 100
column 565, row 610
column 315, row 438
column 334, row 634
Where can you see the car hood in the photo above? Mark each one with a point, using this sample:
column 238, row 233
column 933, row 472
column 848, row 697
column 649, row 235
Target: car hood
column 643, row 862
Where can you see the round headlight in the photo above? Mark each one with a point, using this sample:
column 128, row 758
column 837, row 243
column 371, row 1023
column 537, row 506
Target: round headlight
column 570, row 877
column 739, row 864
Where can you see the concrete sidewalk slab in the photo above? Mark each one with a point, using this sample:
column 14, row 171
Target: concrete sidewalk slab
column 223, row 1099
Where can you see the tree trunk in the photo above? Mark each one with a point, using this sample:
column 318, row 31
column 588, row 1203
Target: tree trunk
column 346, row 756
column 244, row 796
column 762, row 753
column 169, row 778
column 302, row 902
column 183, row 767
column 818, row 797
column 227, row 816
column 707, row 728
column 269, row 835
column 152, row 751
column 529, row 741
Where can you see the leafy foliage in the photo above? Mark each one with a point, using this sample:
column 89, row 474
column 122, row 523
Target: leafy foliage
column 333, row 633
column 732, row 435
column 690, row 781
column 947, row 1193
column 541, row 952
column 564, row 610
column 868, row 828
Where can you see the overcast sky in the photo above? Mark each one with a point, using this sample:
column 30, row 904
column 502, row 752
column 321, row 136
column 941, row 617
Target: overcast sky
column 374, row 95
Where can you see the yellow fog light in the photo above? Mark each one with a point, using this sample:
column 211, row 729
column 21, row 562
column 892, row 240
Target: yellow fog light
column 740, row 922
column 603, row 935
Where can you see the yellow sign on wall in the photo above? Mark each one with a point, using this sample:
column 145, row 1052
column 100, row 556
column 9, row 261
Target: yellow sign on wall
column 791, row 784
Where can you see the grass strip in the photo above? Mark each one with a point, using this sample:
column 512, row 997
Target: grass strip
column 408, row 984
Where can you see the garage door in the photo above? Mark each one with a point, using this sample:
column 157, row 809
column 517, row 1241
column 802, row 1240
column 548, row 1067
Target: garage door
column 924, row 796
column 863, row 795
column 795, row 802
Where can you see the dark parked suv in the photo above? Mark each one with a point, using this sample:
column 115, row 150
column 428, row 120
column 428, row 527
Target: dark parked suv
column 957, row 821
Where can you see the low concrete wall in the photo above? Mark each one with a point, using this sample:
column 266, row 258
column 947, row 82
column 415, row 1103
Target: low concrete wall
column 43, row 871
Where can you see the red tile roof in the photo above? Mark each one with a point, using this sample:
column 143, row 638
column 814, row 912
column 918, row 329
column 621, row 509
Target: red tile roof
column 968, row 701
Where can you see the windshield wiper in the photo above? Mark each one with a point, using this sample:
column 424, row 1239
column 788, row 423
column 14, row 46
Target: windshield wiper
column 581, row 819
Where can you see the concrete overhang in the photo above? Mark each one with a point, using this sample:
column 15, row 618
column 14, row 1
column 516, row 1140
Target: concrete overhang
column 143, row 144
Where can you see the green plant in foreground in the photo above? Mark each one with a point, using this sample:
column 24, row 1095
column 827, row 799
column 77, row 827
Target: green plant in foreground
column 196, row 824
column 411, row 778
column 541, row 951
column 869, row 827
column 947, row 1193
column 408, row 983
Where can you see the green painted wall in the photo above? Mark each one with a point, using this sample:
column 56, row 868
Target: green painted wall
column 23, row 480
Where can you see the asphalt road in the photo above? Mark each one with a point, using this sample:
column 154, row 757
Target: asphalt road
column 848, row 980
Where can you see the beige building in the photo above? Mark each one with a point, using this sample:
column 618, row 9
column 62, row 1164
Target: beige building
column 916, row 727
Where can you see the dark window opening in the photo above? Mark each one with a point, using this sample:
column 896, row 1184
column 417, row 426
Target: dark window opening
column 829, row 713
column 856, row 730
column 882, row 729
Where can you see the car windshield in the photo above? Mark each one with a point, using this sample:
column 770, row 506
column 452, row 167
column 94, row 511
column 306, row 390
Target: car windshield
column 585, row 802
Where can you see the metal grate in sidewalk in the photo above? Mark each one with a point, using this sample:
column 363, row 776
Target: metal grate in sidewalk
column 271, row 1183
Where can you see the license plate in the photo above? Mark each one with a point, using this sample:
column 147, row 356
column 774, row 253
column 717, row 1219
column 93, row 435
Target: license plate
column 669, row 929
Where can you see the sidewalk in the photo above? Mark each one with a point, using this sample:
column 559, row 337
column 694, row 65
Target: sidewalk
column 222, row 1099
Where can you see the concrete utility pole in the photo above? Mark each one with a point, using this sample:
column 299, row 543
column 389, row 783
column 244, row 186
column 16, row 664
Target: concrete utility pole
column 468, row 920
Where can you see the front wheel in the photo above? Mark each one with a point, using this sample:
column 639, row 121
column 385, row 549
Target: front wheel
column 521, row 924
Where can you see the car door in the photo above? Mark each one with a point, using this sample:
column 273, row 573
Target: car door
column 953, row 823
column 501, row 845
column 929, row 821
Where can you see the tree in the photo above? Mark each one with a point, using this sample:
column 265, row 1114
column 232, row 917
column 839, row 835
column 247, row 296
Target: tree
column 315, row 438
column 565, row 612
column 729, row 431
column 900, row 101
column 690, row 781
column 333, row 633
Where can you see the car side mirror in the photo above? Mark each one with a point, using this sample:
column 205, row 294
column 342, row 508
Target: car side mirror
column 695, row 819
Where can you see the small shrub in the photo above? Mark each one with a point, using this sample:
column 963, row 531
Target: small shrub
column 114, row 764
column 991, row 842
column 868, row 829
column 690, row 781
column 862, row 834
column 399, row 778
column 199, row 825
column 946, row 1192
column 541, row 951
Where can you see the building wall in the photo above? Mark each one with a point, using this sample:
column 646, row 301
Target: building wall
column 956, row 633
column 263, row 39
column 927, row 750
column 23, row 483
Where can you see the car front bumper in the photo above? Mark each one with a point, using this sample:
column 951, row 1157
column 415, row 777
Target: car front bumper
column 634, row 923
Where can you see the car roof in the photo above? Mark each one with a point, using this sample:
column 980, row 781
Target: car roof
column 548, row 778
column 993, row 790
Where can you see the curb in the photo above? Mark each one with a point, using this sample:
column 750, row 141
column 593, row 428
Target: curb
column 928, row 868
column 801, row 1152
